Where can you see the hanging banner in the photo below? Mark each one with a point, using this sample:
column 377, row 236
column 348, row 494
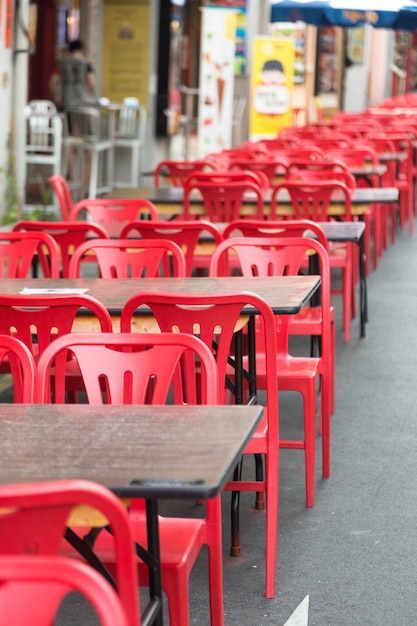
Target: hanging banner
column 271, row 87
column 217, row 57
column 241, row 30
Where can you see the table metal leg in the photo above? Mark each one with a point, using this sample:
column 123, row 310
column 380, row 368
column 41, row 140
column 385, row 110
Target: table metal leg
column 363, row 288
column 153, row 612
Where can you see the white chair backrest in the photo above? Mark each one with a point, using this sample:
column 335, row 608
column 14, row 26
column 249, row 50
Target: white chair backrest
column 42, row 106
column 131, row 123
column 43, row 132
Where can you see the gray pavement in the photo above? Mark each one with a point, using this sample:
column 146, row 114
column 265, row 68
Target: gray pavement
column 355, row 552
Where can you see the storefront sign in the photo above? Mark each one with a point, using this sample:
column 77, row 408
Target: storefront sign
column 271, row 87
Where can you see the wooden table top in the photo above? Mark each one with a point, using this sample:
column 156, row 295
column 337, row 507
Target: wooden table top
column 334, row 231
column 284, row 294
column 173, row 195
column 169, row 200
column 137, row 451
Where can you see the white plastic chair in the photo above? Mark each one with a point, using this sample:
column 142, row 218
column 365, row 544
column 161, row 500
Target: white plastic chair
column 129, row 138
column 43, row 140
column 89, row 135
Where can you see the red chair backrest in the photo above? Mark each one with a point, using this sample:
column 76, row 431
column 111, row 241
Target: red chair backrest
column 311, row 200
column 275, row 228
column 212, row 316
column 38, row 320
column 269, row 167
column 277, row 256
column 179, row 171
column 68, row 235
column 114, row 213
column 343, row 176
column 223, row 194
column 32, row 590
column 310, row 153
column 129, row 258
column 63, row 193
column 320, row 165
column 19, row 250
column 37, row 519
column 186, row 234
column 22, row 367
column 359, row 155
column 136, row 368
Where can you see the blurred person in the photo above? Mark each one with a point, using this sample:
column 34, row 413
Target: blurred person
column 77, row 77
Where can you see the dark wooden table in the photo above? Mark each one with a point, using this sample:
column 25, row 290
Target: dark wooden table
column 284, row 294
column 149, row 452
column 169, row 200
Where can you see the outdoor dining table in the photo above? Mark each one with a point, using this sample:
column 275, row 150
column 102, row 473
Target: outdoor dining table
column 170, row 200
column 286, row 295
column 151, row 452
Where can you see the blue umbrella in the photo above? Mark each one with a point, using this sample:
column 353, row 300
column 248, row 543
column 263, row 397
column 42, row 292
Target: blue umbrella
column 398, row 14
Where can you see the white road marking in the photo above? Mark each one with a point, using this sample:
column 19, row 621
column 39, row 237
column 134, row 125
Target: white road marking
column 300, row 615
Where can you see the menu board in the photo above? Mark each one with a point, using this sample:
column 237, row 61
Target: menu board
column 126, row 59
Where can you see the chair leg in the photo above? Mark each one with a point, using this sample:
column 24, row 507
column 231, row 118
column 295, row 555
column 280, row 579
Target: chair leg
column 234, row 514
column 177, row 590
column 310, row 442
column 272, row 480
column 92, row 187
column 215, row 566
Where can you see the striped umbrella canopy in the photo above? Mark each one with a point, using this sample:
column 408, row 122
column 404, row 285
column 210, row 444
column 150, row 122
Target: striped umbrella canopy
column 392, row 14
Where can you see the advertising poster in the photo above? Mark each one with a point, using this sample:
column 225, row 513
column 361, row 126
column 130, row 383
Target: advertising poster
column 216, row 80
column 241, row 30
column 296, row 32
column 271, row 85
column 126, row 50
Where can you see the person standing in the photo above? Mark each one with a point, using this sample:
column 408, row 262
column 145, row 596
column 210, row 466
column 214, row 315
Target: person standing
column 77, row 77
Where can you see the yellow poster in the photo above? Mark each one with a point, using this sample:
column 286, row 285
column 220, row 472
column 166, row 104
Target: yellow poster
column 271, row 87
column 126, row 50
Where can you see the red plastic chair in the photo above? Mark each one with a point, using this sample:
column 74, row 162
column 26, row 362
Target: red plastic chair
column 287, row 141
column 272, row 168
column 311, row 153
column 187, row 234
column 178, row 171
column 216, row 317
column 63, row 193
column 404, row 178
column 341, row 175
column 362, row 155
column 129, row 258
column 382, row 145
column 140, row 368
column 330, row 140
column 38, row 517
column 311, row 201
column 33, row 588
column 223, row 194
column 113, row 214
column 38, row 320
column 302, row 165
column 19, row 251
column 221, row 160
column 68, row 235
column 309, row 320
column 22, row 366
column 268, row 256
